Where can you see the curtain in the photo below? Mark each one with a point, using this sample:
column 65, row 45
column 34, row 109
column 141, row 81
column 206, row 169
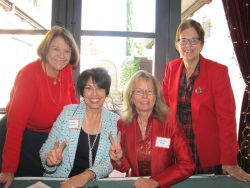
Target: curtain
column 237, row 15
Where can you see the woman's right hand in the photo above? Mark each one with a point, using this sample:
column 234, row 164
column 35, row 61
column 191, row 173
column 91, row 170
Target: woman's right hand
column 115, row 151
column 7, row 178
column 54, row 157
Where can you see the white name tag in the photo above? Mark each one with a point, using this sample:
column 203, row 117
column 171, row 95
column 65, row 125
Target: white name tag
column 74, row 123
column 162, row 142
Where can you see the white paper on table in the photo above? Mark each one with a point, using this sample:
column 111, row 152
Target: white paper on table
column 121, row 179
column 39, row 185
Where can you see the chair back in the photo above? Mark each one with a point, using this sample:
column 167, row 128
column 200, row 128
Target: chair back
column 3, row 122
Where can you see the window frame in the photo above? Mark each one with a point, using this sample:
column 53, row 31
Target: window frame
column 68, row 14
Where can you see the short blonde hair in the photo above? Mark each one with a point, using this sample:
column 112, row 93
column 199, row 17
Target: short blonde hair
column 128, row 110
column 55, row 31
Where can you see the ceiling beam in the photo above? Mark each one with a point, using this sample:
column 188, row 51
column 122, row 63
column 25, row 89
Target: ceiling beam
column 192, row 8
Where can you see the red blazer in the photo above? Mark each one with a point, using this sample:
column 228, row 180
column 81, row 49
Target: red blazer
column 213, row 110
column 163, row 167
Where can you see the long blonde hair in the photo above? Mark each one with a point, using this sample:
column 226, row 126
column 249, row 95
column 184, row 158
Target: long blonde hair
column 128, row 110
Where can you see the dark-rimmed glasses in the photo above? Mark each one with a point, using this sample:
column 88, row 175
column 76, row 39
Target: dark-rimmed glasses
column 184, row 41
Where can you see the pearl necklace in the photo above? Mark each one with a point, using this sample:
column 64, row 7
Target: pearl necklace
column 91, row 147
column 54, row 82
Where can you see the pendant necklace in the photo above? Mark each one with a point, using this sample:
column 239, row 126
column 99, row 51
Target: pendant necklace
column 56, row 79
column 54, row 82
column 141, row 124
column 91, row 147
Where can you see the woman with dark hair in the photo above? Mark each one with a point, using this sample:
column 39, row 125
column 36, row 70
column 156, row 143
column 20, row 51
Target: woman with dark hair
column 41, row 89
column 78, row 145
column 150, row 140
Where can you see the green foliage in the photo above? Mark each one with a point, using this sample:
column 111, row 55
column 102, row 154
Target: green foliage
column 129, row 67
column 36, row 3
column 129, row 27
column 133, row 49
column 138, row 50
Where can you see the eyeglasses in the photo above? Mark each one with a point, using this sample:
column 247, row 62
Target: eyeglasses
column 141, row 92
column 184, row 41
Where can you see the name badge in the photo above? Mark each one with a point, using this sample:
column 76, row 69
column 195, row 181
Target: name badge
column 162, row 142
column 74, row 123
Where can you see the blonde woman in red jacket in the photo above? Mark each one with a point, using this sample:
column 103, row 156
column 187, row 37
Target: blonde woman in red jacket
column 199, row 92
column 150, row 140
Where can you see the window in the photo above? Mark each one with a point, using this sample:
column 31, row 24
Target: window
column 105, row 32
column 206, row 26
column 16, row 51
column 22, row 26
column 122, row 15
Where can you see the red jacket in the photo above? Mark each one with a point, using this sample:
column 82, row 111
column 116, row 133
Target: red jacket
column 163, row 167
column 213, row 110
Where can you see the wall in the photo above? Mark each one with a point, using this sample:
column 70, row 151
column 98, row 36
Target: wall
column 219, row 47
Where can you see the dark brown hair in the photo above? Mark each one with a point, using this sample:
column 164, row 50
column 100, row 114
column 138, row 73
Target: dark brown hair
column 190, row 23
column 99, row 76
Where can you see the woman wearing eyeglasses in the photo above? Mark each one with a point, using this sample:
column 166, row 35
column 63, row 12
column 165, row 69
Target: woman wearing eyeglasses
column 199, row 92
column 150, row 140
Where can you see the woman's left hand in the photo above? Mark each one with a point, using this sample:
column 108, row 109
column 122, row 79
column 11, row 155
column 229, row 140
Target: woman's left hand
column 79, row 180
column 236, row 171
column 146, row 183
column 115, row 151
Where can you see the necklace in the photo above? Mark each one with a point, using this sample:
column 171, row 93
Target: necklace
column 142, row 125
column 54, row 82
column 91, row 147
column 57, row 79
